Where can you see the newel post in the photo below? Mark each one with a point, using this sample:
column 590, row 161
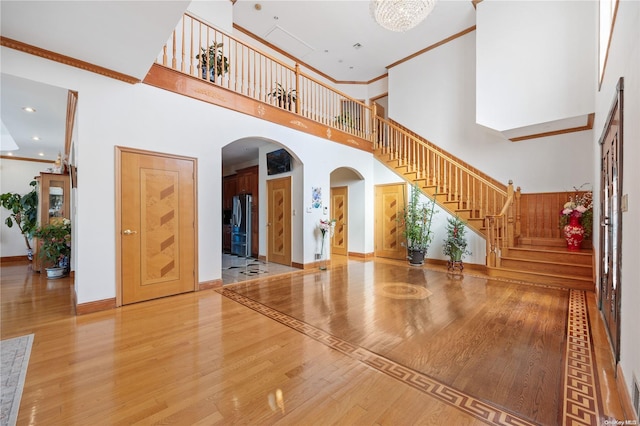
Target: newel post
column 510, row 216
column 518, row 214
column 298, row 88
column 374, row 125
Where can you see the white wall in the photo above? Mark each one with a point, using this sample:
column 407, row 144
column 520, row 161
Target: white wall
column 434, row 95
column 15, row 176
column 112, row 113
column 624, row 61
column 536, row 61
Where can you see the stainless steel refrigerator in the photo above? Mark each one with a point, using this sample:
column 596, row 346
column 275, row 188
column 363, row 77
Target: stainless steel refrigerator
column 241, row 226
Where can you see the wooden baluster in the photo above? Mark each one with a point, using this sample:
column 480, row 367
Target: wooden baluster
column 182, row 57
column 173, row 51
column 296, row 86
column 518, row 223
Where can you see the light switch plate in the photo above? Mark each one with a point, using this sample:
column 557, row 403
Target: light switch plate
column 624, row 203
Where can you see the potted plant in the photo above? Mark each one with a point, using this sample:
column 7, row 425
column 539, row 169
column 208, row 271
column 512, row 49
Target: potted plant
column 212, row 57
column 24, row 213
column 344, row 121
column 286, row 98
column 55, row 248
column 455, row 245
column 416, row 218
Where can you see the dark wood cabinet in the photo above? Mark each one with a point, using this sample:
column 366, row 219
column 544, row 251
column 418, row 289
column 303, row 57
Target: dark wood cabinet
column 229, row 189
column 245, row 181
column 226, row 238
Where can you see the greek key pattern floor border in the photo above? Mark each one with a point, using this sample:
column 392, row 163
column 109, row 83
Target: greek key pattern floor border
column 580, row 396
column 474, row 407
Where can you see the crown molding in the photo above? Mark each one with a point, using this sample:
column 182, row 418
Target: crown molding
column 67, row 60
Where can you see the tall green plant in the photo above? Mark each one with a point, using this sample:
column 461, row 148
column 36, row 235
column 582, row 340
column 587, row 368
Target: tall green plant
column 416, row 219
column 24, row 211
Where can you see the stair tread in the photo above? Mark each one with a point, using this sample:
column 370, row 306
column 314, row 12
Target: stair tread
column 543, row 274
column 546, row 262
column 548, row 249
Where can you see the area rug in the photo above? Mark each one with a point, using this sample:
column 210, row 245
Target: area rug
column 14, row 357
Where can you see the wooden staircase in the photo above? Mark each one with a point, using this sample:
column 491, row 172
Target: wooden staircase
column 549, row 264
column 544, row 261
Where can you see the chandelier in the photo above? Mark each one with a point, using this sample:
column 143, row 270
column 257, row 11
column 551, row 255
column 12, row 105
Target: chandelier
column 400, row 15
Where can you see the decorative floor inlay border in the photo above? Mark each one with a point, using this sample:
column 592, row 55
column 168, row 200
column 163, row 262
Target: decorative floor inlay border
column 474, row 407
column 580, row 405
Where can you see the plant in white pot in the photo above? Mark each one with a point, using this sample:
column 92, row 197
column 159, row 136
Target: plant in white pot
column 55, row 247
column 416, row 218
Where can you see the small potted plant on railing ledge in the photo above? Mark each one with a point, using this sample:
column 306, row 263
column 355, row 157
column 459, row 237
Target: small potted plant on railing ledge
column 416, row 218
column 218, row 63
column 55, row 248
column 344, row 121
column 455, row 245
column 286, row 98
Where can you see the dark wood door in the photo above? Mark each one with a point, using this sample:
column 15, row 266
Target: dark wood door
column 157, row 225
column 611, row 222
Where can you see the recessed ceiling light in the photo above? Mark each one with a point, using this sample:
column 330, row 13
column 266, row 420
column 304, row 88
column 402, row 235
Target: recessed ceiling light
column 10, row 154
column 36, row 138
column 28, row 109
column 41, row 154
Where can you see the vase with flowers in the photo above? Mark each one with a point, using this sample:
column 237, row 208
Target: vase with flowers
column 55, row 247
column 576, row 218
column 326, row 227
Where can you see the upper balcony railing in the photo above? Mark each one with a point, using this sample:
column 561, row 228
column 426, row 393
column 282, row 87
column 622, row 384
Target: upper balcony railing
column 197, row 49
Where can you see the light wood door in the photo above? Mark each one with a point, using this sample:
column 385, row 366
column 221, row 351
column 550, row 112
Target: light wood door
column 157, row 225
column 611, row 223
column 279, row 220
column 339, row 212
column 389, row 200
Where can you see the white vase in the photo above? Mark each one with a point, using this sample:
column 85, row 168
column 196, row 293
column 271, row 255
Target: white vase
column 54, row 273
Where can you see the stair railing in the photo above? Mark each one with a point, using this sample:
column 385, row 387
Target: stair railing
column 197, row 49
column 200, row 50
column 439, row 170
column 503, row 228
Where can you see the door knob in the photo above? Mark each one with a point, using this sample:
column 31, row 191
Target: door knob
column 129, row 232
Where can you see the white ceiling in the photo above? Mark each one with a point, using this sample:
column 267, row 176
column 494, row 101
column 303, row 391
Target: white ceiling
column 126, row 36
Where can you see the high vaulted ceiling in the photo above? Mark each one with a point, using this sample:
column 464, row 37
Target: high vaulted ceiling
column 126, row 36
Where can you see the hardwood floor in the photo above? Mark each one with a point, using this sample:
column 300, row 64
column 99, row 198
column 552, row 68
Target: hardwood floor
column 374, row 342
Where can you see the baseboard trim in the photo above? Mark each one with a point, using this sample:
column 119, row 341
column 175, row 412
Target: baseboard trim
column 468, row 266
column 207, row 285
column 361, row 255
column 96, row 306
column 13, row 259
column 625, row 398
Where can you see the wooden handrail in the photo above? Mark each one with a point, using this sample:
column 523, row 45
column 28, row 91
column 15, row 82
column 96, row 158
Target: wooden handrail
column 445, row 156
column 237, row 66
column 199, row 50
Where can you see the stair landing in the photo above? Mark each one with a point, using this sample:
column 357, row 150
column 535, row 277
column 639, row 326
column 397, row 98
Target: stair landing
column 547, row 263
